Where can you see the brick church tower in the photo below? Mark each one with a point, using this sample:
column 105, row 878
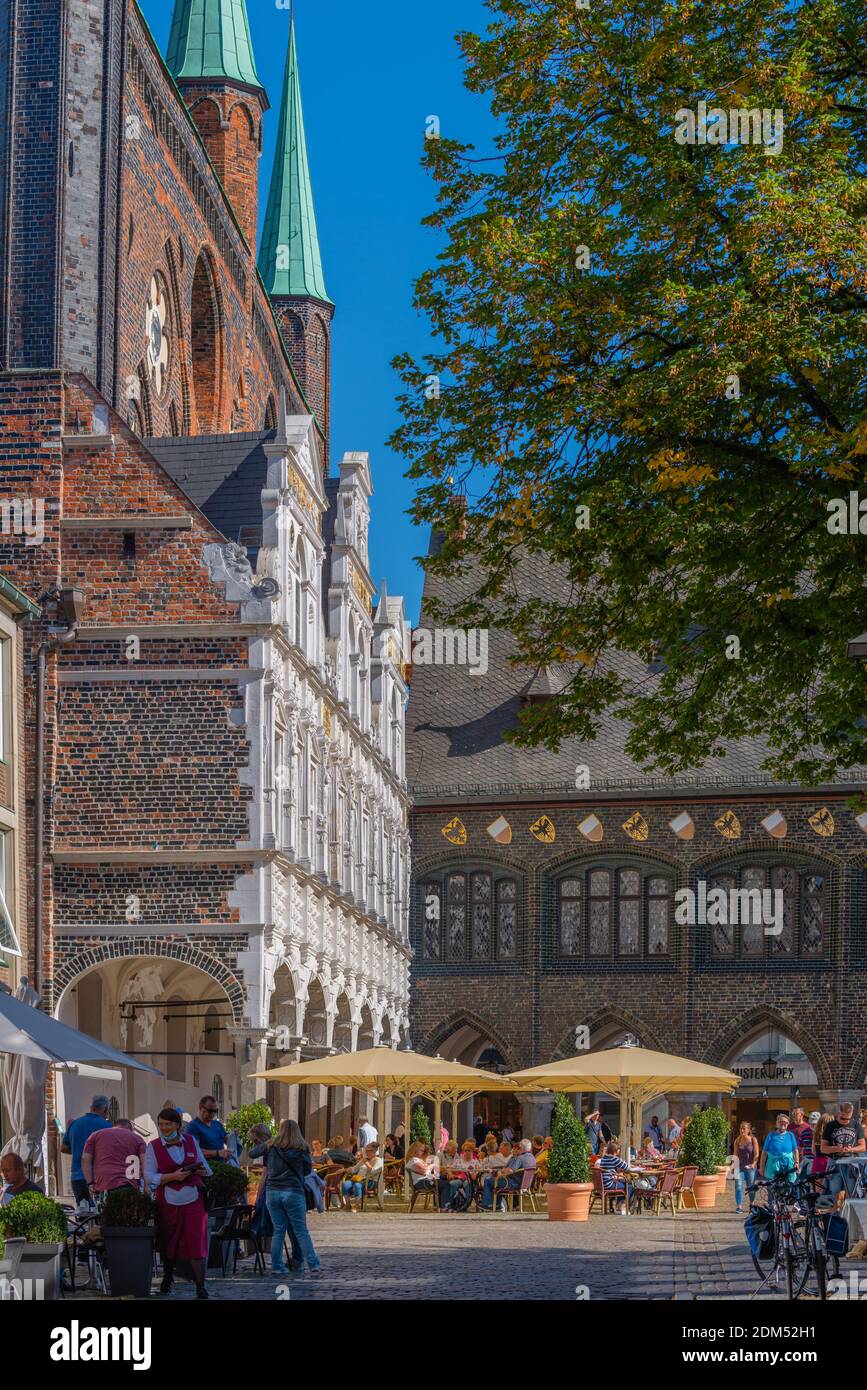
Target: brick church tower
column 290, row 262
column 210, row 56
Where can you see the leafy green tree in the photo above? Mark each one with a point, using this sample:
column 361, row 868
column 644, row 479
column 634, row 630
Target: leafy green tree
column 651, row 370
column 570, row 1156
column 698, row 1146
column 245, row 1117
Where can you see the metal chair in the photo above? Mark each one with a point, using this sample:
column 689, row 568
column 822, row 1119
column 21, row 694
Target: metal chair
column 528, row 1178
column 229, row 1239
column 666, row 1191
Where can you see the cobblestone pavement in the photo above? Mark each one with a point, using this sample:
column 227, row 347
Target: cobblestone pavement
column 422, row 1257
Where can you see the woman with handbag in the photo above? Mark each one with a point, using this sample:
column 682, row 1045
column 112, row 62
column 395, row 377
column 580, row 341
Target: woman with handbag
column 287, row 1164
column 174, row 1166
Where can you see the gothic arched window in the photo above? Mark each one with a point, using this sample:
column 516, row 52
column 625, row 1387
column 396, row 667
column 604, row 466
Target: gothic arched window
column 607, row 911
column 470, row 915
column 768, row 910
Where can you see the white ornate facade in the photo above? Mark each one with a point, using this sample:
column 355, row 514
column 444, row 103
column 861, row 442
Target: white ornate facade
column 330, row 802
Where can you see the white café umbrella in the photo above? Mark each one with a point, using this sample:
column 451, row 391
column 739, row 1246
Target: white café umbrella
column 30, row 1041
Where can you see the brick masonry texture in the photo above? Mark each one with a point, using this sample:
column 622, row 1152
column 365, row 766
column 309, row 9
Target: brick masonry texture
column 691, row 1004
column 168, row 894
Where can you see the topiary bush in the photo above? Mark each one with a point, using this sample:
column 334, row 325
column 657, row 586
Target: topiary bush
column 226, row 1186
column 39, row 1220
column 420, row 1127
column 125, row 1206
column 570, row 1156
column 718, row 1126
column 698, row 1146
column 245, row 1117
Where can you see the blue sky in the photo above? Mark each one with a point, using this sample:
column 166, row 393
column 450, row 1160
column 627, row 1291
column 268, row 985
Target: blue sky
column 371, row 75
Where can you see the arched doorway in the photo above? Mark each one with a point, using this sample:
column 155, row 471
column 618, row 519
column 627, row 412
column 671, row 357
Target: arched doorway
column 206, row 348
column 776, row 1076
column 164, row 1012
column 470, row 1042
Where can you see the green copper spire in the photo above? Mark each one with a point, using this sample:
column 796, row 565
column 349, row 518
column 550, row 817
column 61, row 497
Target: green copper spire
column 289, row 259
column 210, row 39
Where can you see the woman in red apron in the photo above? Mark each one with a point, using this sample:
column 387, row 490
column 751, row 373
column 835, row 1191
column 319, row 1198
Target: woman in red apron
column 173, row 1169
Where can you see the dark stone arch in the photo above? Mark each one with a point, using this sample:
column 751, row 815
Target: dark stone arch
column 607, row 1016
column 466, row 1018
column 750, row 1023
column 118, row 949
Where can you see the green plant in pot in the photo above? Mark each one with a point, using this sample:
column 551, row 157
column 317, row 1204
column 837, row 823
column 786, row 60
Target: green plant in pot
column 225, row 1187
column 42, row 1225
column 718, row 1127
column 128, row 1229
column 698, row 1149
column 569, row 1188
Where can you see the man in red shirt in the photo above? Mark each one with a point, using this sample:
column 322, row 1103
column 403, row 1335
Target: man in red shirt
column 803, row 1133
column 113, row 1158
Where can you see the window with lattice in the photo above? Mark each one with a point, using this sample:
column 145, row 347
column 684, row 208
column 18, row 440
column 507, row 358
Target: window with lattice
column 614, row 913
column 774, row 911
column 470, row 916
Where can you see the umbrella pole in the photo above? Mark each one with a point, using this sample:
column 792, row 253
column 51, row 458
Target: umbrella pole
column 438, row 1115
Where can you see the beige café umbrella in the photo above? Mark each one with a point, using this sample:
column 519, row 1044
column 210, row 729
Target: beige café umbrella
column 633, row 1074
column 384, row 1071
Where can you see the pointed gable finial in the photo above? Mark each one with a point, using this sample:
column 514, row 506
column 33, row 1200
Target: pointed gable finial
column 210, row 40
column 290, row 261
column 381, row 615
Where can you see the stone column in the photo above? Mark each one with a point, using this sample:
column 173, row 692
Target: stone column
column 252, row 1042
column 317, row 1113
column 536, row 1113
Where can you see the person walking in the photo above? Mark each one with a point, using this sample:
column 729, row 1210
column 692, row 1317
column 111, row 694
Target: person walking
column 367, row 1133
column 746, row 1157
column 174, row 1169
column 77, row 1136
column 595, row 1133
column 779, row 1151
column 803, row 1132
column 287, row 1164
column 210, row 1134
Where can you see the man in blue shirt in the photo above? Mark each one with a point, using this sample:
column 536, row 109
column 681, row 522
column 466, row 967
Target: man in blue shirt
column 76, row 1137
column 210, row 1132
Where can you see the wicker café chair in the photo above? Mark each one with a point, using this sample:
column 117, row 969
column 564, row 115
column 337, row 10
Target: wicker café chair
column 684, row 1190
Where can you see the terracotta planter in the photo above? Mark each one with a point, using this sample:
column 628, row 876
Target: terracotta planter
column 705, row 1190
column 568, row 1201
column 721, row 1173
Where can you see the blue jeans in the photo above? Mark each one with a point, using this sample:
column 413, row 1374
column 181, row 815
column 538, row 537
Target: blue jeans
column 287, row 1208
column 510, row 1184
column 744, row 1178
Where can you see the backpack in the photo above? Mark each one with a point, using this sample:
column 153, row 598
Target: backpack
column 837, row 1234
column 461, row 1200
column 759, row 1230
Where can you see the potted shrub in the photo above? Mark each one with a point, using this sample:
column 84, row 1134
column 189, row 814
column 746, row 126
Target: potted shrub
column 568, row 1188
column 698, row 1149
column 420, row 1127
column 42, row 1225
column 10, row 1254
column 225, row 1188
column 719, row 1131
column 128, row 1229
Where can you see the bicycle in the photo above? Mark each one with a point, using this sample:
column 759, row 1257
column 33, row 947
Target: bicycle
column 798, row 1236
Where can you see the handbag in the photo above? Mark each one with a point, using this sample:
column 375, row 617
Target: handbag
column 837, row 1234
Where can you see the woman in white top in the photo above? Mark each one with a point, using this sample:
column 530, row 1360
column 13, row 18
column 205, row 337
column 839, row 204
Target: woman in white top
column 424, row 1172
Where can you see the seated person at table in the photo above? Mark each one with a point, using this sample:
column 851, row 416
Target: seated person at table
column 469, row 1155
column 614, row 1170
column 317, row 1153
column 393, row 1148
column 14, row 1176
column 424, row 1173
column 510, row 1177
column 648, row 1150
column 542, row 1156
column 337, row 1154
column 454, row 1166
column 366, row 1170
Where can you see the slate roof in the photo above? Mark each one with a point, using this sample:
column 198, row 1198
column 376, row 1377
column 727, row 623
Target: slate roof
column 224, row 475
column 456, row 724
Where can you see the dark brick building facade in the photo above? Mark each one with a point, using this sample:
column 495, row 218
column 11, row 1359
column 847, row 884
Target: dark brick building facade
column 539, row 908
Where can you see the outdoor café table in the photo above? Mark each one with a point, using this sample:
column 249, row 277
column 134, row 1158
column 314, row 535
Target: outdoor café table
column 641, row 1192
